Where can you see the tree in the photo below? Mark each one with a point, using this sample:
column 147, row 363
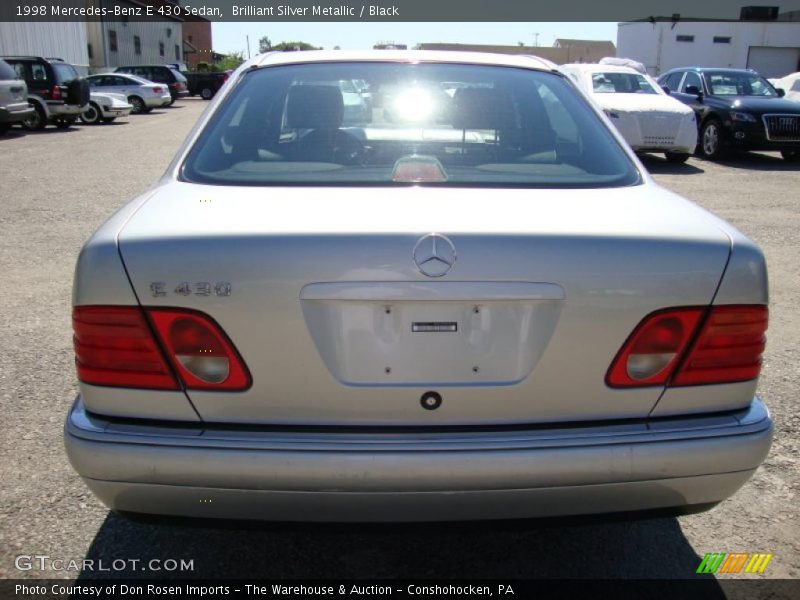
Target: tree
column 203, row 66
column 230, row 61
column 264, row 45
column 289, row 46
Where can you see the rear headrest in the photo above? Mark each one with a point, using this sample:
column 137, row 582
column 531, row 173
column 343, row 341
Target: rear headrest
column 482, row 108
column 315, row 107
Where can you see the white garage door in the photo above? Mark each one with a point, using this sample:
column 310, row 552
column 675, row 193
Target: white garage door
column 773, row 62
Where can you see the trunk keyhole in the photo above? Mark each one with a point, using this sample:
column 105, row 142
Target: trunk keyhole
column 431, row 400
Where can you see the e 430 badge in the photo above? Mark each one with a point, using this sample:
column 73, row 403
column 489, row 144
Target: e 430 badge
column 159, row 289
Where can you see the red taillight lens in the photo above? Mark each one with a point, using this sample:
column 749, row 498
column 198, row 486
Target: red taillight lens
column 114, row 346
column 56, row 95
column 202, row 354
column 728, row 348
column 225, row 76
column 661, row 352
column 158, row 90
column 650, row 353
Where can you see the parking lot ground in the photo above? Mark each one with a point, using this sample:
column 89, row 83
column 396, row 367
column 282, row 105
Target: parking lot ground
column 58, row 186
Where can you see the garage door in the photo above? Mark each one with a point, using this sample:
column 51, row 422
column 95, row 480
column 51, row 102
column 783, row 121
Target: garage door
column 773, row 62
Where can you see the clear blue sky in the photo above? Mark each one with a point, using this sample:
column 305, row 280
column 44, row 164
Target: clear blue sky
column 230, row 37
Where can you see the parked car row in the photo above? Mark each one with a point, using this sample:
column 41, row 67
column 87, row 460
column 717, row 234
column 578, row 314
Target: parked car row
column 143, row 95
column 36, row 92
column 737, row 109
column 51, row 87
column 710, row 111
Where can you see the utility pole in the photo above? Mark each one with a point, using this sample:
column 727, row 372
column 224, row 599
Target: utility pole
column 248, row 46
column 536, row 39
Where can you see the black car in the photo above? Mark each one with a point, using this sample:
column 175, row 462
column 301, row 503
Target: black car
column 736, row 109
column 165, row 74
column 204, row 83
column 55, row 90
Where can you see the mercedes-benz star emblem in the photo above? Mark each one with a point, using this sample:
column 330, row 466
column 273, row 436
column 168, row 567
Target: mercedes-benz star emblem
column 434, row 255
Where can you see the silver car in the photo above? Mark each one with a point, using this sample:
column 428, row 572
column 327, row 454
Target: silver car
column 486, row 309
column 105, row 107
column 14, row 107
column 142, row 94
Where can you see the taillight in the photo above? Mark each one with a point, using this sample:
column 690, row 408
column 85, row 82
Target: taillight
column 653, row 349
column 225, row 76
column 202, row 354
column 666, row 348
column 56, row 94
column 114, row 346
column 728, row 348
column 158, row 90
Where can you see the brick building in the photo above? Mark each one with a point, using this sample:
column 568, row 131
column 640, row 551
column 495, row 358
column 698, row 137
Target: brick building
column 197, row 42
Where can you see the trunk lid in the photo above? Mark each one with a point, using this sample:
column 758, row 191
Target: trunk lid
column 320, row 291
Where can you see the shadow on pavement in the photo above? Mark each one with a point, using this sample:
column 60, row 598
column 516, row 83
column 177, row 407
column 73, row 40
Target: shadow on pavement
column 661, row 166
column 555, row 548
column 49, row 130
column 756, row 161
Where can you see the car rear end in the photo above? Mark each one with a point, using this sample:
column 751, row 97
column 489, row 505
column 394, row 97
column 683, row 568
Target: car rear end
column 489, row 351
column 156, row 95
column 113, row 105
column 178, row 86
column 14, row 107
column 70, row 93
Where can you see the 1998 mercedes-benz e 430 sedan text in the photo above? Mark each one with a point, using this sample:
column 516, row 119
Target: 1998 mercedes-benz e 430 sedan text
column 479, row 307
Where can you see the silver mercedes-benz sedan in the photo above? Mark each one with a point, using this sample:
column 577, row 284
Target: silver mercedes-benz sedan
column 481, row 308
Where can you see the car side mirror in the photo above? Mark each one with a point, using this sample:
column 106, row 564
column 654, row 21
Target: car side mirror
column 667, row 91
column 781, row 92
column 694, row 91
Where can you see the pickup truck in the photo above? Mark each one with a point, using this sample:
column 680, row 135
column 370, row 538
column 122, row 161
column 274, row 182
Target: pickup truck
column 205, row 83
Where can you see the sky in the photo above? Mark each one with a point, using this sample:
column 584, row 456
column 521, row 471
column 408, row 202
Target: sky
column 231, row 37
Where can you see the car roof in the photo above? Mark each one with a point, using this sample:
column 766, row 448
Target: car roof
column 598, row 68
column 24, row 57
column 408, row 56
column 715, row 69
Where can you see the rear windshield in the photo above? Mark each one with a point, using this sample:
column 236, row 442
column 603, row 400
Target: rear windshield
column 6, row 72
column 137, row 79
column 178, row 76
column 64, row 73
column 440, row 124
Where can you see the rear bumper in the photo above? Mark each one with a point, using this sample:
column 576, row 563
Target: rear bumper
column 15, row 116
column 156, row 101
column 59, row 109
column 302, row 475
column 116, row 112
